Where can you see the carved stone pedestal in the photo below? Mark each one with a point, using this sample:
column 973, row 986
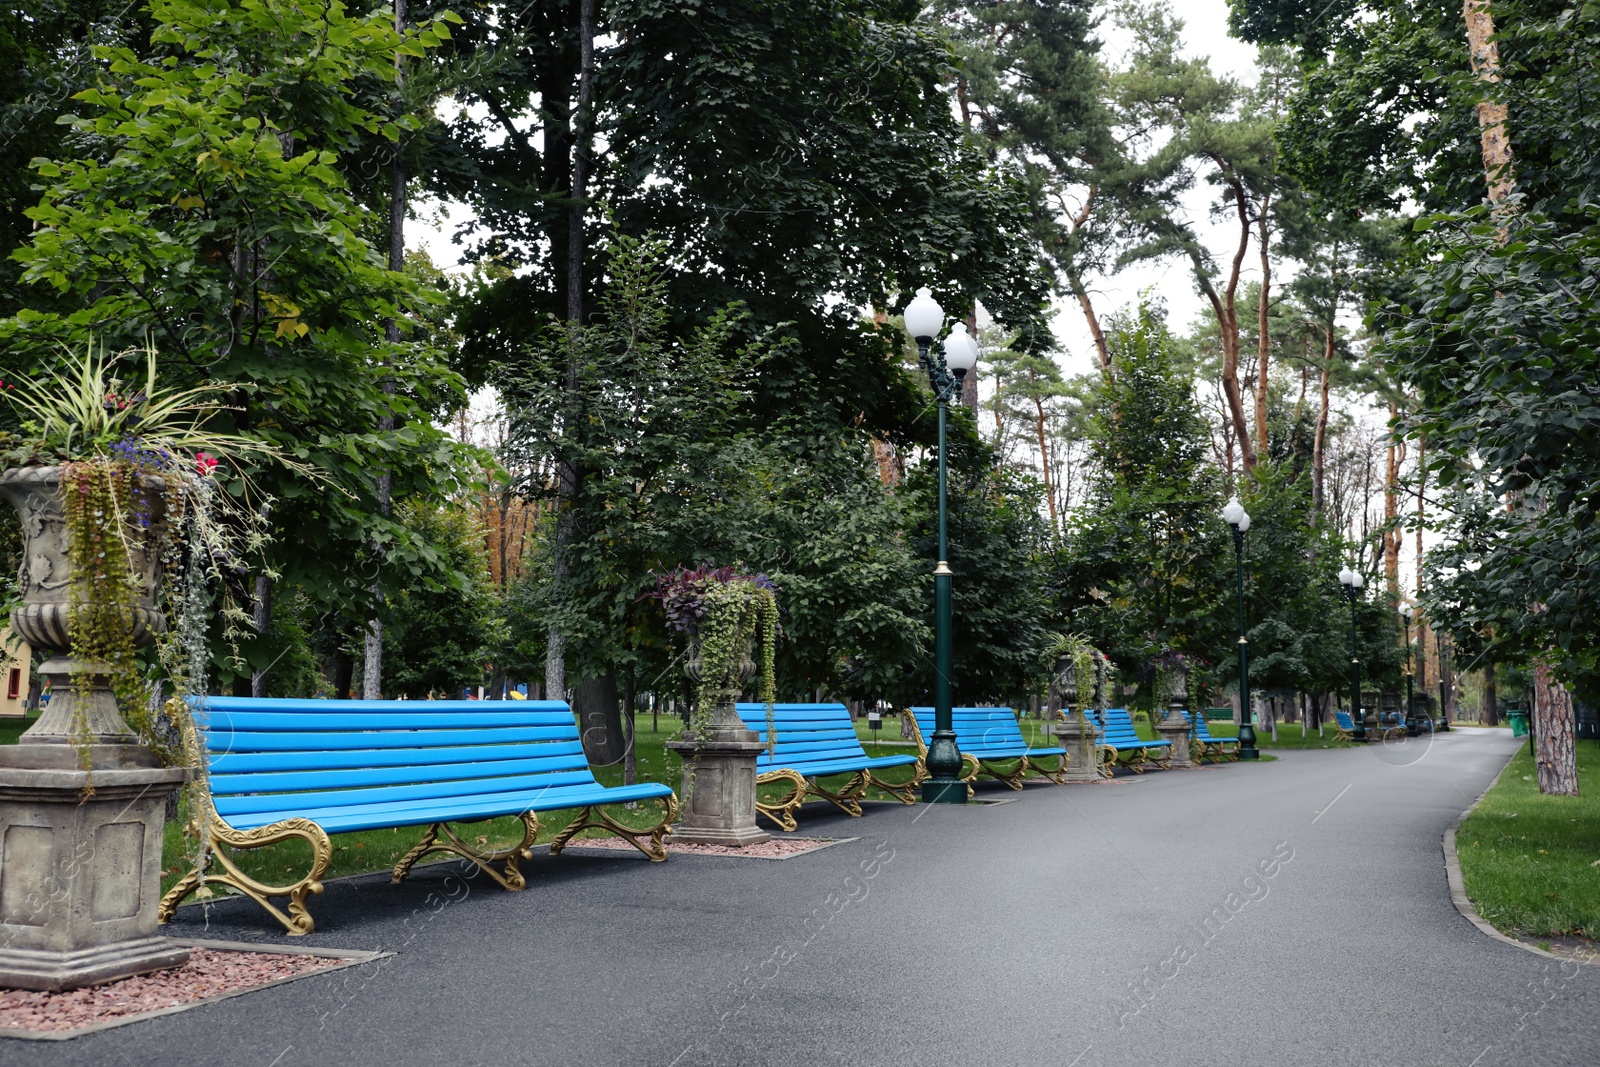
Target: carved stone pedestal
column 1176, row 731
column 1083, row 764
column 80, row 876
column 719, row 785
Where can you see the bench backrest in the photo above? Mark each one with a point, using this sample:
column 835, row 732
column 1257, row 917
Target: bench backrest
column 1119, row 730
column 1202, row 729
column 977, row 729
column 806, row 733
column 271, row 755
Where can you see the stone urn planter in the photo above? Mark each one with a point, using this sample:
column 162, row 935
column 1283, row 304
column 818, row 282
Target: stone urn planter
column 719, row 772
column 1075, row 732
column 1173, row 727
column 82, row 798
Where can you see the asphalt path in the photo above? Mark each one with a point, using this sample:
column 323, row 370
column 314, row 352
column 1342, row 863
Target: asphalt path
column 1290, row 912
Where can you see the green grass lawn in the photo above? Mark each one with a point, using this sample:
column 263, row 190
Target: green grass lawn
column 11, row 729
column 1288, row 736
column 1530, row 861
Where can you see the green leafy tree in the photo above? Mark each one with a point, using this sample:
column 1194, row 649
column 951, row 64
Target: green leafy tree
column 1138, row 569
column 443, row 635
column 854, row 597
column 1497, row 337
column 209, row 212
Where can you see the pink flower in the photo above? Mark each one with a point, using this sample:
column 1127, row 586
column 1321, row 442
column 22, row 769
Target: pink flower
column 205, row 462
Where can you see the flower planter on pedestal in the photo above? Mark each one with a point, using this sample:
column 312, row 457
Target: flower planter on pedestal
column 1077, row 735
column 1078, row 738
column 719, row 780
column 82, row 799
column 1174, row 728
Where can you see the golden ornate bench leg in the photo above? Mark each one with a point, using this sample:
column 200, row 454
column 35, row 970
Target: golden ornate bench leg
column 1136, row 759
column 594, row 816
column 1058, row 776
column 1108, row 761
column 298, row 920
column 1013, row 777
column 970, row 775
column 782, row 812
column 848, row 799
column 440, row 838
column 905, row 792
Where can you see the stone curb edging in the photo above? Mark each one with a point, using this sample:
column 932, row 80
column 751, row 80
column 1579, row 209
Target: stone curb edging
column 1458, row 886
column 351, row 958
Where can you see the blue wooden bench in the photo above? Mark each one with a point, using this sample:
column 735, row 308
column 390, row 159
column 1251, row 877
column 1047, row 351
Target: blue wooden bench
column 819, row 741
column 1206, row 747
column 283, row 769
column 1345, row 728
column 1121, row 743
column 988, row 739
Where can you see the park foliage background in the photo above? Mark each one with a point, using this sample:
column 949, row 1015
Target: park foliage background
column 691, row 227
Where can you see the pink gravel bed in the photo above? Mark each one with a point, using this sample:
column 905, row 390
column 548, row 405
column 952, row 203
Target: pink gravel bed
column 774, row 849
column 209, row 973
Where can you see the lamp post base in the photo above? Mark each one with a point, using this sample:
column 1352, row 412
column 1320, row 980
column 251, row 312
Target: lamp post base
column 944, row 791
column 1247, row 743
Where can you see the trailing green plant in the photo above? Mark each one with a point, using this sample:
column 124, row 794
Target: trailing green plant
column 139, row 468
column 719, row 611
column 1090, row 667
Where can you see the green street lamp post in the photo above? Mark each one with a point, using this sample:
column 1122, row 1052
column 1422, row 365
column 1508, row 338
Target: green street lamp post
column 1352, row 582
column 1239, row 519
column 946, row 365
column 1406, row 611
column 1444, row 707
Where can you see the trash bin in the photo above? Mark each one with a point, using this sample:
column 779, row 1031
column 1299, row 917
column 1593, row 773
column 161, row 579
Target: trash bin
column 1519, row 723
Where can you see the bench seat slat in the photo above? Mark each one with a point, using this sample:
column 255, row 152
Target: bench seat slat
column 534, row 762
column 439, row 792
column 467, row 808
column 381, row 707
column 317, row 741
column 306, row 721
column 240, row 763
column 810, row 768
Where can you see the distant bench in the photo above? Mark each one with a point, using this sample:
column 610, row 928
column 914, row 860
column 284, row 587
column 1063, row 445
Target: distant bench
column 1120, row 742
column 1208, row 747
column 282, row 769
column 819, row 741
column 988, row 739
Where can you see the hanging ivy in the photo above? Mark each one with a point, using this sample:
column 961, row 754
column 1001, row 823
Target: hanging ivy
column 720, row 611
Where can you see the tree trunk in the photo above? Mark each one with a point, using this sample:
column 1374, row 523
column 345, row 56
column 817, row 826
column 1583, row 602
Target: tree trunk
column 1391, row 510
column 1263, row 338
column 1079, row 290
column 1319, row 442
column 1493, row 130
column 372, row 669
column 1491, row 697
column 1101, row 348
column 1554, row 735
column 569, row 477
column 594, row 701
column 1044, row 465
column 1224, row 306
column 260, row 622
column 630, row 706
column 344, row 669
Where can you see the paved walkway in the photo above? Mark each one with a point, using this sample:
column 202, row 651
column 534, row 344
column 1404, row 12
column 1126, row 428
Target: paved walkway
column 1294, row 912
